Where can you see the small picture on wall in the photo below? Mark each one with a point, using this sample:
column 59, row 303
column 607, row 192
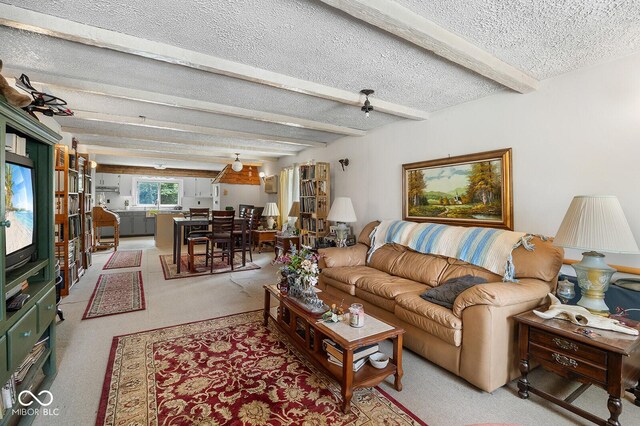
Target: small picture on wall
column 468, row 190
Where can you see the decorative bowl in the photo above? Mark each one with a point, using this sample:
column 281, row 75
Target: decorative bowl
column 379, row 360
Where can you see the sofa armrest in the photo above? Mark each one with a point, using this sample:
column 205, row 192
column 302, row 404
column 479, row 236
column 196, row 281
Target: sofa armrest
column 502, row 294
column 334, row 257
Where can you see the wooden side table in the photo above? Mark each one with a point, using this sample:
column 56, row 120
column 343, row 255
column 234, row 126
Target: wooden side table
column 284, row 244
column 260, row 237
column 609, row 360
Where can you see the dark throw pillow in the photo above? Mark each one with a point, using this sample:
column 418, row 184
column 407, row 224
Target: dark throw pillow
column 445, row 294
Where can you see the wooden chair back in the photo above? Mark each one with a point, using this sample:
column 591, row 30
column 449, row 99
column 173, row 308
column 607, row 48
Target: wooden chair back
column 199, row 212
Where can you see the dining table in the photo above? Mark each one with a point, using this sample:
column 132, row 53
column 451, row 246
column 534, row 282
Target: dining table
column 180, row 222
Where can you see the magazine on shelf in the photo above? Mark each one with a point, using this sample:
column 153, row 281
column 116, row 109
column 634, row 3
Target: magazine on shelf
column 332, row 348
column 357, row 365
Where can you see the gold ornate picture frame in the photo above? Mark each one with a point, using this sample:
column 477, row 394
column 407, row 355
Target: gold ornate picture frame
column 467, row 190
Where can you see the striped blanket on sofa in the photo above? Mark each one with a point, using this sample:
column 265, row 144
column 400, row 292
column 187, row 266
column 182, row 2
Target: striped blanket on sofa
column 485, row 247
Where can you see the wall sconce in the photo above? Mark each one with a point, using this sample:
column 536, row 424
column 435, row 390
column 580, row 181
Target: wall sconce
column 343, row 162
column 93, row 164
column 262, row 175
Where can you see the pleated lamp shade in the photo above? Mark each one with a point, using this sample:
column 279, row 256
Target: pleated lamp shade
column 596, row 222
column 342, row 211
column 271, row 209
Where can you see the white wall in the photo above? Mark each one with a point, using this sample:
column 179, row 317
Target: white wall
column 233, row 195
column 577, row 134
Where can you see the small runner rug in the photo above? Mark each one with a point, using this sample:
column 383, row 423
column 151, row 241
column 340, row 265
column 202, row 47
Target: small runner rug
column 170, row 270
column 231, row 370
column 124, row 259
column 116, row 293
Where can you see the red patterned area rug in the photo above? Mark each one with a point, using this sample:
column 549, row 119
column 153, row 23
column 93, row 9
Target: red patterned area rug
column 116, row 293
column 170, row 270
column 124, row 259
column 228, row 371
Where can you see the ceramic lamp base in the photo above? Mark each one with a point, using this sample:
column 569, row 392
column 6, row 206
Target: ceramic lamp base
column 594, row 276
column 270, row 222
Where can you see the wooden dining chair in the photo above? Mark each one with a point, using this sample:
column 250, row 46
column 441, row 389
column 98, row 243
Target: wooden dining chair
column 222, row 238
column 243, row 210
column 197, row 235
column 249, row 225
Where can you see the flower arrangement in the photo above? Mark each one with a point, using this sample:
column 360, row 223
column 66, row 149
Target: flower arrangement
column 303, row 264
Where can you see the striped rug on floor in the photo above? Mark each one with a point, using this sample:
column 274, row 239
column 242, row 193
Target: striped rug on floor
column 124, row 259
column 116, row 293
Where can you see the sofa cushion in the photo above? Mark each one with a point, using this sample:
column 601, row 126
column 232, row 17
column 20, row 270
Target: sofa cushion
column 543, row 263
column 424, row 268
column 344, row 278
column 433, row 319
column 446, row 293
column 365, row 234
column 334, row 257
column 384, row 258
column 457, row 268
column 388, row 286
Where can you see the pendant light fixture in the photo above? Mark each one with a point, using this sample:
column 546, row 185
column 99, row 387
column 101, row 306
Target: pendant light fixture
column 367, row 108
column 237, row 165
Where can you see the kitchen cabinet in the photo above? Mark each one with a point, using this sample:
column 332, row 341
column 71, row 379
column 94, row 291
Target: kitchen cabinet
column 126, row 185
column 150, row 225
column 109, row 179
column 139, row 223
column 126, row 224
column 204, row 187
column 189, row 187
column 99, row 179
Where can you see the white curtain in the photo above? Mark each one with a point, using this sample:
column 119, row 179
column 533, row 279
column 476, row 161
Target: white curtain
column 289, row 190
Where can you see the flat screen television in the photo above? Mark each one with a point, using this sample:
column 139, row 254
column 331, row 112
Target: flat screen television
column 20, row 210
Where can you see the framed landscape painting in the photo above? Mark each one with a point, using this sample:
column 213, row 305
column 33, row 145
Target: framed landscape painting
column 468, row 190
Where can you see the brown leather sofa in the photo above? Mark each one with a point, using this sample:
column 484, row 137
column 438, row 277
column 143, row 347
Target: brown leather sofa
column 477, row 338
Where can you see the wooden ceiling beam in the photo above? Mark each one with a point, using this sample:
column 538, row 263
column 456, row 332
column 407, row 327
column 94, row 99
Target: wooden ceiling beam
column 152, row 171
column 188, row 128
column 90, row 87
column 98, row 137
column 408, row 25
column 159, row 157
column 52, row 26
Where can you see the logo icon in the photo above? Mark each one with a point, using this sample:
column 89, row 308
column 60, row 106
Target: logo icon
column 42, row 402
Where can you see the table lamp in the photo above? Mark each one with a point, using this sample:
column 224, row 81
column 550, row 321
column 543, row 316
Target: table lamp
column 294, row 212
column 271, row 211
column 342, row 212
column 595, row 223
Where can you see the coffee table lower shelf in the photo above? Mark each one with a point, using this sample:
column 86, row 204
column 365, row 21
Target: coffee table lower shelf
column 305, row 333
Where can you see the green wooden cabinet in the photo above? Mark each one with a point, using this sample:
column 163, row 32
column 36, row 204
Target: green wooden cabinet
column 20, row 330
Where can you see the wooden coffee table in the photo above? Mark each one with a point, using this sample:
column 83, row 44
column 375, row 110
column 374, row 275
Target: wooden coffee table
column 307, row 332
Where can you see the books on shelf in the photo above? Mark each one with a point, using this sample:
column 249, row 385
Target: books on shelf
column 357, row 365
column 36, row 352
column 333, row 349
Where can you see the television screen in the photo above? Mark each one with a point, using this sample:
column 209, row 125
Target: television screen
column 19, row 206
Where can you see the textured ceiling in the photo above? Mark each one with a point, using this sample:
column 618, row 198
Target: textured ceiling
column 302, row 39
column 544, row 38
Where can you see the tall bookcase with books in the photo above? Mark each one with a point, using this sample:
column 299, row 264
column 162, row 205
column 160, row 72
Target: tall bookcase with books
column 28, row 330
column 314, row 202
column 68, row 224
column 86, row 206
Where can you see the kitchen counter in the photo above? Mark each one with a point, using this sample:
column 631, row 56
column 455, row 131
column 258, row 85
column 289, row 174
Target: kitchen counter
column 164, row 228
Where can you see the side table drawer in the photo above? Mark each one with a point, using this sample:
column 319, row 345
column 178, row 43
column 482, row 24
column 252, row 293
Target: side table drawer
column 46, row 309
column 567, row 365
column 21, row 338
column 568, row 347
